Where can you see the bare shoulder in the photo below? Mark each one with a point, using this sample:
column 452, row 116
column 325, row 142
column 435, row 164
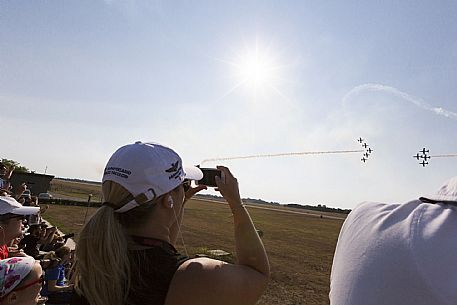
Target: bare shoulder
column 209, row 281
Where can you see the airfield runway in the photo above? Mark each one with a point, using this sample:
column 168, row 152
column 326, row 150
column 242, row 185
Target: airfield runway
column 256, row 206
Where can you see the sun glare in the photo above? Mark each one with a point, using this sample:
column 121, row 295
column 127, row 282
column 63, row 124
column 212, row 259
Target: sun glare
column 255, row 69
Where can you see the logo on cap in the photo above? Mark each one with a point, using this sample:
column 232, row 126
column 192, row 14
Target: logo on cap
column 175, row 169
column 117, row 171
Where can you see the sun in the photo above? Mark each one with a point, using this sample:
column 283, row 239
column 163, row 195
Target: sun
column 255, row 68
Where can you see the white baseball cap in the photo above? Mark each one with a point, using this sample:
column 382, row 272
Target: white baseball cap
column 447, row 193
column 147, row 171
column 9, row 205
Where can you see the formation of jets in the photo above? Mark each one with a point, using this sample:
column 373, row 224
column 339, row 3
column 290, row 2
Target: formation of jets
column 423, row 154
column 368, row 151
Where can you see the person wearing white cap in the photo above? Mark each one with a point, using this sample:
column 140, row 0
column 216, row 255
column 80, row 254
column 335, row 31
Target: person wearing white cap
column 12, row 213
column 126, row 253
column 398, row 253
column 20, row 281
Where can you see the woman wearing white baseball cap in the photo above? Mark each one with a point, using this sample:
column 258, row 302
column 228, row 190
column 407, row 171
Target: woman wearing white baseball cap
column 12, row 213
column 126, row 254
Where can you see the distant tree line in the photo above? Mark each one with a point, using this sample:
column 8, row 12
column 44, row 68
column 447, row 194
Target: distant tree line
column 17, row 166
column 79, row 180
column 319, row 207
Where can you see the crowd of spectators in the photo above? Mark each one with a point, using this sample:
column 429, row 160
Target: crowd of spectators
column 30, row 248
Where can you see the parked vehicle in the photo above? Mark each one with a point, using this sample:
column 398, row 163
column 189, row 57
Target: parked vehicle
column 26, row 194
column 44, row 196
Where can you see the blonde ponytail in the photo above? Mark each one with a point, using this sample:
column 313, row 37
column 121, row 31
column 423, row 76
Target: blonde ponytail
column 102, row 273
column 103, row 269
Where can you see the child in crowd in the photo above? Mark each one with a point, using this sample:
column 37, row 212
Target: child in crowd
column 55, row 286
column 20, row 281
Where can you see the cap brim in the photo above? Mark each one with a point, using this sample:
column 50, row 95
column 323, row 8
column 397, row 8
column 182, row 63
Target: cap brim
column 192, row 173
column 438, row 198
column 25, row 211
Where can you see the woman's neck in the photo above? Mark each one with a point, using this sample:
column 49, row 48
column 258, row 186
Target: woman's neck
column 157, row 225
column 152, row 230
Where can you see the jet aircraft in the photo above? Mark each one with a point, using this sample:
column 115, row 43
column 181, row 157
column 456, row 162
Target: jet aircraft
column 425, row 157
column 425, row 151
column 423, row 163
column 417, row 156
column 360, row 140
column 364, row 160
column 365, row 145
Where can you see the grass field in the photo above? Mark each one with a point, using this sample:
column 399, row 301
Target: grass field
column 75, row 190
column 300, row 247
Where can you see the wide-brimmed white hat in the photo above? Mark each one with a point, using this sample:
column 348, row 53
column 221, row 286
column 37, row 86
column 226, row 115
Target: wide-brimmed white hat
column 447, row 193
column 12, row 272
column 147, row 171
column 9, row 205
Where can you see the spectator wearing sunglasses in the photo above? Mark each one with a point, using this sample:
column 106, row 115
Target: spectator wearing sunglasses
column 20, row 281
column 126, row 252
column 12, row 213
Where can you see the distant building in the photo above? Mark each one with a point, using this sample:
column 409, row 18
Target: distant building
column 36, row 183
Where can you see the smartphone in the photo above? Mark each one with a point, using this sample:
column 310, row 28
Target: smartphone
column 209, row 176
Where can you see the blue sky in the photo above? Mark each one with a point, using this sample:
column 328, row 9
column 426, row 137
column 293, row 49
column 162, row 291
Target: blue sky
column 214, row 79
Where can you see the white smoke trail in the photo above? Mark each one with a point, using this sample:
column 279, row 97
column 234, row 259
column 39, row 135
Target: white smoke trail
column 282, row 154
column 417, row 102
column 444, row 156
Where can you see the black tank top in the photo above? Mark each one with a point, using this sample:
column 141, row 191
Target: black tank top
column 151, row 273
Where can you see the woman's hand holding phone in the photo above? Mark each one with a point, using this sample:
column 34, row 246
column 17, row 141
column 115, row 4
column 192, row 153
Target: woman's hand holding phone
column 227, row 185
